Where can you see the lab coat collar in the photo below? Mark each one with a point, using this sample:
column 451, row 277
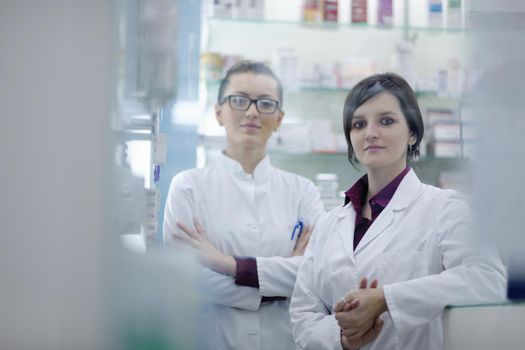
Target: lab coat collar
column 345, row 226
column 404, row 194
column 407, row 191
column 261, row 172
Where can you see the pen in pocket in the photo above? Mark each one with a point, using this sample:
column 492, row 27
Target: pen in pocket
column 298, row 228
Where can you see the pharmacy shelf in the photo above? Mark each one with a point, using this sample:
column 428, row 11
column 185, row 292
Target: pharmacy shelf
column 261, row 40
column 214, row 141
column 333, row 25
column 308, row 164
column 429, row 169
column 321, row 46
column 213, row 85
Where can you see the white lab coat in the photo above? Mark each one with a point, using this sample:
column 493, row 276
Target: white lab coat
column 420, row 250
column 245, row 215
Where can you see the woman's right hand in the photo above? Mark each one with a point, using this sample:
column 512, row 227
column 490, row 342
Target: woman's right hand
column 302, row 242
column 343, row 307
column 370, row 335
column 209, row 255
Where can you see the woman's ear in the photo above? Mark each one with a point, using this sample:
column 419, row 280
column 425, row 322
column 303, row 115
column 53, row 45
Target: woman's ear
column 218, row 115
column 413, row 139
column 279, row 120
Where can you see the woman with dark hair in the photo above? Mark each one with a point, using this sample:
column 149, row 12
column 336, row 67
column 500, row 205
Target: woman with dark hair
column 410, row 240
column 247, row 220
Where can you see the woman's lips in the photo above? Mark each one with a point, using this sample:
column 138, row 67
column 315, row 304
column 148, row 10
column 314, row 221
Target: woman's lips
column 373, row 148
column 251, row 128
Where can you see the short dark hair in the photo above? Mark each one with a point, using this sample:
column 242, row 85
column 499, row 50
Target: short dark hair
column 254, row 67
column 374, row 85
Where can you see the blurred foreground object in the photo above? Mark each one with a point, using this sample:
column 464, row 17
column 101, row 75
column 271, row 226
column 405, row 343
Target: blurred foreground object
column 67, row 282
column 497, row 101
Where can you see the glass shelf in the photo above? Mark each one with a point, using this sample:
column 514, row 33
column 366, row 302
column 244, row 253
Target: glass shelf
column 218, row 141
column 214, row 85
column 333, row 25
column 322, row 45
column 426, row 159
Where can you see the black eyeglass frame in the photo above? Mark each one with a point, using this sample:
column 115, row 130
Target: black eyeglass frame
column 252, row 100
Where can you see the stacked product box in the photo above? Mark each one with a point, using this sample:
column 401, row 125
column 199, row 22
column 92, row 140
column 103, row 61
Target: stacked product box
column 385, row 13
column 285, row 63
column 330, row 10
column 218, row 8
column 454, row 14
column 241, row 9
column 248, row 9
column 328, row 187
column 456, row 180
column 435, row 13
column 321, row 136
column 445, row 131
column 211, row 66
column 320, row 10
column 312, row 10
column 359, row 11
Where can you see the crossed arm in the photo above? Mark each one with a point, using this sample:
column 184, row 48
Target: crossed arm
column 357, row 313
column 216, row 260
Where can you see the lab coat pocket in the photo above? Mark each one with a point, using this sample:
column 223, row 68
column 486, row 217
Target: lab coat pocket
column 402, row 266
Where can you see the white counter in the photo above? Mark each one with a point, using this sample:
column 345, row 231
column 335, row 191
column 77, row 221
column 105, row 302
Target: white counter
column 479, row 327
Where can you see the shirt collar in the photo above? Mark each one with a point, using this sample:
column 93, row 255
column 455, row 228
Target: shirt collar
column 357, row 193
column 262, row 170
column 384, row 196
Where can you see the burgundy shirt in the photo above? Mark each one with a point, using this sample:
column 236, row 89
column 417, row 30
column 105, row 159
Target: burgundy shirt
column 246, row 275
column 357, row 195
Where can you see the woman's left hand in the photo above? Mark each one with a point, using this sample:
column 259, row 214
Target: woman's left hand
column 367, row 305
column 302, row 242
column 208, row 253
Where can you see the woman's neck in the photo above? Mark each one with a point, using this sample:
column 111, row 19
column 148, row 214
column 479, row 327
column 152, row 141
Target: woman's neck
column 247, row 157
column 379, row 178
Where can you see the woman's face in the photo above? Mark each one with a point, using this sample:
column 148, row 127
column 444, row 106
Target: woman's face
column 379, row 133
column 249, row 128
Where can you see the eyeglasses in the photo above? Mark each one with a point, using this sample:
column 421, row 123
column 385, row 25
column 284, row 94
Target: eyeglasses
column 242, row 103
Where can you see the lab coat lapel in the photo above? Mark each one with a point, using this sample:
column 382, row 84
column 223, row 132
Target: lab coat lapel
column 406, row 192
column 345, row 229
column 382, row 222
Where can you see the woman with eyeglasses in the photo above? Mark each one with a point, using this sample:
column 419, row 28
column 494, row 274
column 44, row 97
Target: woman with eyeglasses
column 248, row 221
column 411, row 240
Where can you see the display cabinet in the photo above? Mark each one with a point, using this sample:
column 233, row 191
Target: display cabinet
column 318, row 63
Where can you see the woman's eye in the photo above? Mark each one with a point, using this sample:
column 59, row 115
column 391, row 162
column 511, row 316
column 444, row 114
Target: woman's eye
column 358, row 124
column 387, row 121
column 239, row 100
column 266, row 104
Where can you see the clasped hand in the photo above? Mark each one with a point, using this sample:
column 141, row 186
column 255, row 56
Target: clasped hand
column 358, row 314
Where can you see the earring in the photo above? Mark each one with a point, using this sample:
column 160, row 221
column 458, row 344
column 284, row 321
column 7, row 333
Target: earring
column 411, row 150
column 354, row 158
